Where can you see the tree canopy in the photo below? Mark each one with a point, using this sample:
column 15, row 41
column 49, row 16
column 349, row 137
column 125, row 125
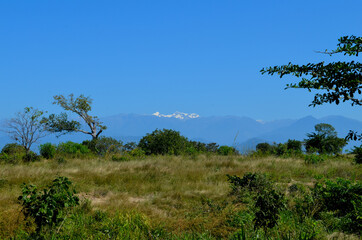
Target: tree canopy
column 336, row 81
column 81, row 106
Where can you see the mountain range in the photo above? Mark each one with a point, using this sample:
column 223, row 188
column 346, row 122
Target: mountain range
column 244, row 133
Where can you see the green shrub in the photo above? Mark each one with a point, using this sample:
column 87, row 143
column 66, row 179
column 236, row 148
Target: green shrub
column 226, row 150
column 104, row 145
column 137, row 153
column 314, row 158
column 163, row 142
column 122, row 158
column 31, row 157
column 294, row 145
column 13, row 148
column 281, row 149
column 268, row 201
column 264, row 148
column 47, row 207
column 269, row 204
column 358, row 154
column 344, row 199
column 47, row 150
column 72, row 148
column 13, row 153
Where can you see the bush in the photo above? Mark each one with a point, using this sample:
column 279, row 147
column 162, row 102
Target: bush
column 104, row 145
column 47, row 150
column 72, row 148
column 163, row 142
column 47, row 207
column 268, row 202
column 31, row 157
column 226, row 150
column 264, row 148
column 122, row 158
column 137, row 153
column 13, row 149
column 294, row 145
column 358, row 154
column 344, row 199
column 314, row 158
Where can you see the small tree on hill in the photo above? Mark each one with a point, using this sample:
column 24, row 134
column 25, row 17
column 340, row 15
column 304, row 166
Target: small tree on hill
column 81, row 106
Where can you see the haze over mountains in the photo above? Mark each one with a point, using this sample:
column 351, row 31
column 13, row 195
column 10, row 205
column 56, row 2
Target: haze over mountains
column 242, row 132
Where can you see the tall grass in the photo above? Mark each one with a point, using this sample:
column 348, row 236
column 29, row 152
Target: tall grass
column 173, row 196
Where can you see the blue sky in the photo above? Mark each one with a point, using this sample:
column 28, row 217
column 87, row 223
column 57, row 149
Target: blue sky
column 190, row 56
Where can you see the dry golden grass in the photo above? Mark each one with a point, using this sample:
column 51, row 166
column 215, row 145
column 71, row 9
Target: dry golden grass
column 168, row 189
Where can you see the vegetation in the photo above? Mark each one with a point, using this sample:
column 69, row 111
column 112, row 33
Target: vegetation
column 81, row 106
column 26, row 128
column 324, row 140
column 187, row 197
column 337, row 81
column 163, row 142
column 47, row 209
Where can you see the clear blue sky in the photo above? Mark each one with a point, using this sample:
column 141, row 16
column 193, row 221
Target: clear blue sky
column 190, row 56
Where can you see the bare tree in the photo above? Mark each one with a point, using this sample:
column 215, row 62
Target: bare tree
column 26, row 127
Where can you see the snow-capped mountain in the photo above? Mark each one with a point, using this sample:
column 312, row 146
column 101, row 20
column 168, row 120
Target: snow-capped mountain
column 178, row 115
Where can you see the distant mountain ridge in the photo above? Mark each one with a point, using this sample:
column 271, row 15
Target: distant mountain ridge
column 241, row 132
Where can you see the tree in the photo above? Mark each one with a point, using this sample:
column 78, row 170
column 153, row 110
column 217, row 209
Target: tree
column 81, row 106
column 324, row 140
column 26, row 127
column 337, row 81
column 164, row 141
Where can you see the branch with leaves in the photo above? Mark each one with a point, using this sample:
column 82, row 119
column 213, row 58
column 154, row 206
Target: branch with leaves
column 81, row 106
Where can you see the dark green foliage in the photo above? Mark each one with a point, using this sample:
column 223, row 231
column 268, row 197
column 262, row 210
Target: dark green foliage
column 137, row 153
column 15, row 153
column 264, row 148
column 129, row 146
column 226, row 150
column 212, row 147
column 252, row 182
column 324, row 140
column 122, row 158
column 47, row 207
column 31, row 157
column 314, row 158
column 269, row 204
column 104, row 145
column 72, row 148
column 294, row 145
column 344, row 199
column 358, row 154
column 47, row 150
column 338, row 81
column 13, row 149
column 163, row 142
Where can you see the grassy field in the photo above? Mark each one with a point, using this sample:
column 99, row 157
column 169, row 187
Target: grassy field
column 176, row 197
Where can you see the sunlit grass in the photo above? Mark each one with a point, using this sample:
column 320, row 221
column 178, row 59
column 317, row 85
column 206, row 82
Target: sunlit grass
column 169, row 190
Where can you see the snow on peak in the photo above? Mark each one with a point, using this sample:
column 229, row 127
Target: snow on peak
column 178, row 115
